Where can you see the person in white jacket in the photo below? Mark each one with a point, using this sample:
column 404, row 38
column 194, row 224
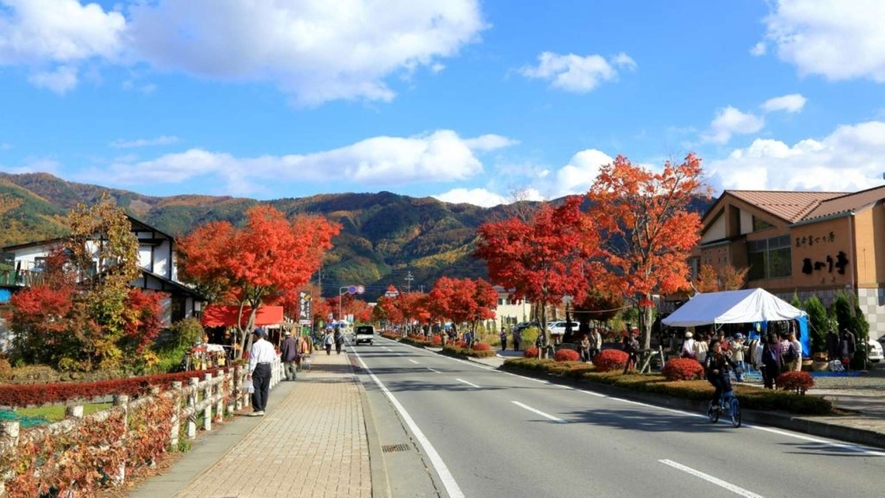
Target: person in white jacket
column 688, row 346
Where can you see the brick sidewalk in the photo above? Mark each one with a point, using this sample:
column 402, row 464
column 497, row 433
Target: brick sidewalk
column 313, row 444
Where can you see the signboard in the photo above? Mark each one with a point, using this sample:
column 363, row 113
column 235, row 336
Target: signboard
column 304, row 322
column 304, row 312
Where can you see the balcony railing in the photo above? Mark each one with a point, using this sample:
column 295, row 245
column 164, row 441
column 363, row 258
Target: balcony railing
column 20, row 278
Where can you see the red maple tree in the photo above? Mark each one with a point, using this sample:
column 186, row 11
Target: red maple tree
column 261, row 261
column 543, row 258
column 647, row 229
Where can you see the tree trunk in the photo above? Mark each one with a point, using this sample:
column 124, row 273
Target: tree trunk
column 647, row 315
column 246, row 336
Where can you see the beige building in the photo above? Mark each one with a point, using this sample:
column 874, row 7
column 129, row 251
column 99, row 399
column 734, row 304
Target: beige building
column 802, row 242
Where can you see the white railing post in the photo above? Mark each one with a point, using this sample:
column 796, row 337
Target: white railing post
column 207, row 400
column 122, row 400
column 230, row 391
column 192, row 408
column 176, row 415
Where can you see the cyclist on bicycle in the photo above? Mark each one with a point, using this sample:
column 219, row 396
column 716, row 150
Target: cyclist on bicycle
column 716, row 365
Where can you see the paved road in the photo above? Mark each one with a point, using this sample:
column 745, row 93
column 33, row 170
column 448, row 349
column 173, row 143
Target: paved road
column 489, row 434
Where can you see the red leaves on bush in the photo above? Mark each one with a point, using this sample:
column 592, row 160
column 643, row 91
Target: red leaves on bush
column 530, row 353
column 41, row 394
column 610, row 359
column 437, row 339
column 566, row 355
column 795, row 381
column 682, row 369
column 481, row 346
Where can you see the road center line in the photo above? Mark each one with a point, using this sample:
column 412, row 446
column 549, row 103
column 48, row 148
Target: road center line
column 471, row 384
column 448, row 480
column 413, row 361
column 715, row 480
column 539, row 412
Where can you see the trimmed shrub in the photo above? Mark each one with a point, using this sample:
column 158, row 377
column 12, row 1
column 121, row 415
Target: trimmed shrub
column 610, row 359
column 566, row 355
column 798, row 382
column 530, row 353
column 454, row 350
column 436, row 340
column 683, row 369
column 481, row 346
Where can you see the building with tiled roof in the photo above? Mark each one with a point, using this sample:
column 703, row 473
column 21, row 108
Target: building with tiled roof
column 802, row 243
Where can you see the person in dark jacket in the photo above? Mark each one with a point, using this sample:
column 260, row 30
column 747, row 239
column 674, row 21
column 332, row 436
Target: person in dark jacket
column 832, row 345
column 289, row 355
column 716, row 366
column 847, row 348
column 339, row 341
column 771, row 361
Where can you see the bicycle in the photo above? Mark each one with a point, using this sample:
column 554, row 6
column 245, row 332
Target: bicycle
column 728, row 401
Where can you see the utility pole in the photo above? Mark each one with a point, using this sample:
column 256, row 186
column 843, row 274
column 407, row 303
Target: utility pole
column 409, row 279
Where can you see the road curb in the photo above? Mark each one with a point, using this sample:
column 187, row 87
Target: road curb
column 380, row 482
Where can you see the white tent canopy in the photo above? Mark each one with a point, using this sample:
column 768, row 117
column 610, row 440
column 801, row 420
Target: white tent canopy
column 740, row 306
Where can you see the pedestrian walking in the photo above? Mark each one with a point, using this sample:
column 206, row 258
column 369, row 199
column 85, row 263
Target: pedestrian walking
column 595, row 343
column 261, row 358
column 771, row 361
column 339, row 341
column 328, row 340
column 289, row 355
column 585, row 348
column 738, row 352
column 517, row 337
column 503, row 340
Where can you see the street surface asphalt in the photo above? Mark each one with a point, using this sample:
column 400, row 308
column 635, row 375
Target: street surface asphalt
column 484, row 433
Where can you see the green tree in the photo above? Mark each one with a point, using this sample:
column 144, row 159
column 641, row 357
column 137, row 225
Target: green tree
column 819, row 322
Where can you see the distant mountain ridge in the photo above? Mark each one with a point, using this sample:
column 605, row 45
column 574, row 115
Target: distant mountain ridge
column 384, row 236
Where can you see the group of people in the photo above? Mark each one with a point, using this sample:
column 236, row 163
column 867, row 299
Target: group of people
column 517, row 338
column 333, row 338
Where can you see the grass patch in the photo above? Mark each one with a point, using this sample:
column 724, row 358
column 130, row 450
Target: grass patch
column 56, row 413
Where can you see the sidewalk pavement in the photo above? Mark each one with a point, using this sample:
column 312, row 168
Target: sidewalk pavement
column 312, row 443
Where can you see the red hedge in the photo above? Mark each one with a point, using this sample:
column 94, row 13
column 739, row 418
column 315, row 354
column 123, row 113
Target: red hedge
column 566, row 355
column 683, row 369
column 481, row 346
column 41, row 394
column 610, row 359
column 795, row 381
column 437, row 339
column 530, row 353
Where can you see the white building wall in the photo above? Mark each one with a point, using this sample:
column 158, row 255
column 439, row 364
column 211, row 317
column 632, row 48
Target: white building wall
column 746, row 222
column 161, row 259
column 715, row 232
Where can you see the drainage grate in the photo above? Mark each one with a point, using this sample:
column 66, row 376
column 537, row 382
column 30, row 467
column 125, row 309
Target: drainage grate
column 390, row 448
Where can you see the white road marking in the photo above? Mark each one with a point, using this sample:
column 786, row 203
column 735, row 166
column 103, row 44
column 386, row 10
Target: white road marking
column 539, row 412
column 442, row 470
column 386, row 349
column 432, row 370
column 715, row 480
column 859, row 449
column 413, row 361
column 471, row 384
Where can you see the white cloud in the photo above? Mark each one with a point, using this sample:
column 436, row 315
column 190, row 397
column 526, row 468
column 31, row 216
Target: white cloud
column 791, row 103
column 476, row 196
column 144, row 142
column 54, row 36
column 850, row 158
column 441, row 156
column 5, row 146
column 581, row 171
column 489, row 142
column 731, row 121
column 759, row 49
column 316, row 51
column 838, row 39
column 34, row 165
column 574, row 73
column 60, row 80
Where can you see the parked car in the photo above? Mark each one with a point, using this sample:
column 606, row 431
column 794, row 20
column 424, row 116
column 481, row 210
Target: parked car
column 876, row 352
column 558, row 327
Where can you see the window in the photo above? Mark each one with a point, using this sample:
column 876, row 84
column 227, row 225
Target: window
column 760, row 224
column 769, row 258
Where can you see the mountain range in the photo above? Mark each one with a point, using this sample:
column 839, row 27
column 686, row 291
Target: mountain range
column 386, row 239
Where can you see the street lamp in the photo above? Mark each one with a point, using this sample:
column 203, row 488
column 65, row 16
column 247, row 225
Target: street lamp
column 341, row 293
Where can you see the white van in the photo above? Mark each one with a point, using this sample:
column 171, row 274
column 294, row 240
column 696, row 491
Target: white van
column 363, row 333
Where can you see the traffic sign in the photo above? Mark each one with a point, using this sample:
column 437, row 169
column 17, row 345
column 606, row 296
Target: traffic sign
column 351, row 289
column 360, row 289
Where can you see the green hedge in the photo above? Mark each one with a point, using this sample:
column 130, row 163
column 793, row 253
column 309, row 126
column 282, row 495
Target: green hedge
column 753, row 398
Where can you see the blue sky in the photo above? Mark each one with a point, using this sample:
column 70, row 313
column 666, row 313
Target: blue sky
column 464, row 100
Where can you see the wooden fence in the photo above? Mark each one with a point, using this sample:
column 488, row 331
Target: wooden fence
column 212, row 397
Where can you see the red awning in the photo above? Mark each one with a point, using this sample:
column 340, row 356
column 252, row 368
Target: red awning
column 226, row 316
